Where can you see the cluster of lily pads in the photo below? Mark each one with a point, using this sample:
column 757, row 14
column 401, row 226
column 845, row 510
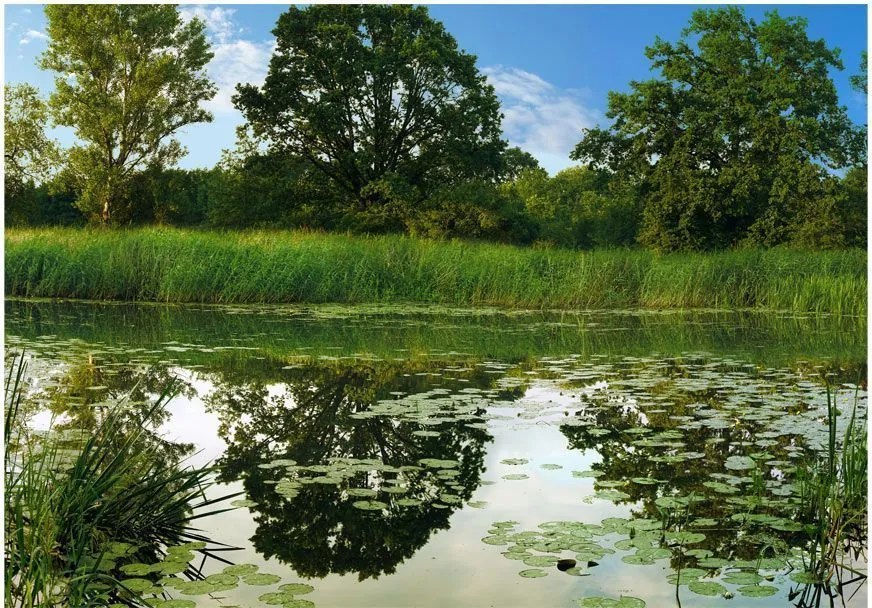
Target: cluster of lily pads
column 154, row 583
column 392, row 482
column 574, row 548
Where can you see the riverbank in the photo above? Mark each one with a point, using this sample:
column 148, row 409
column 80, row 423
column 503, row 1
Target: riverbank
column 175, row 265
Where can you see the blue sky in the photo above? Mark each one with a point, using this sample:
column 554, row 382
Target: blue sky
column 551, row 65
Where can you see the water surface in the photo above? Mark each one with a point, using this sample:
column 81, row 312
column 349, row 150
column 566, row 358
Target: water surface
column 421, row 456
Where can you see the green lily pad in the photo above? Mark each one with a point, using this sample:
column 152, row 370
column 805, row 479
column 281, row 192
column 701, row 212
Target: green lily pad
column 369, row 505
column 240, row 569
column 625, row 601
column 222, row 579
column 758, row 590
column 137, row 569
column 276, row 598
column 533, row 573
column 243, row 503
column 739, row 463
column 706, row 588
column 296, row 588
column 261, row 579
column 408, row 502
column 361, row 492
column 137, row 585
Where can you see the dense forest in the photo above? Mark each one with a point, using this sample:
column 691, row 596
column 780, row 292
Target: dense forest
column 372, row 120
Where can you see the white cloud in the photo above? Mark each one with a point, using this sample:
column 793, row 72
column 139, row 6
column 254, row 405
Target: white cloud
column 235, row 60
column 240, row 61
column 218, row 20
column 31, row 35
column 540, row 118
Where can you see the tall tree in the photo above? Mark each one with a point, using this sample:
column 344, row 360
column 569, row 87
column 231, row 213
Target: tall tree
column 29, row 154
column 129, row 77
column 737, row 132
column 369, row 93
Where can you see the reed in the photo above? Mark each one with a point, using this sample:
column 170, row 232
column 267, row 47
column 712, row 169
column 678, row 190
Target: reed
column 833, row 490
column 174, row 265
column 74, row 504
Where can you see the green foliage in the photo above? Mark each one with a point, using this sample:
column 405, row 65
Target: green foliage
column 375, row 92
column 268, row 266
column 579, row 207
column 129, row 77
column 30, row 157
column 473, row 209
column 515, row 161
column 734, row 139
column 860, row 81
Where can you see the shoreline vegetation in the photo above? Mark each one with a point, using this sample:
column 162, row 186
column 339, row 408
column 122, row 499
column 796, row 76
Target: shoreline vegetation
column 269, row 267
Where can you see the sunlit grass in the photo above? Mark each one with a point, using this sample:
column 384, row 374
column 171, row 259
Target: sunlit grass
column 172, row 265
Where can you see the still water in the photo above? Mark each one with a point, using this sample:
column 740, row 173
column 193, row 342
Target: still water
column 391, row 456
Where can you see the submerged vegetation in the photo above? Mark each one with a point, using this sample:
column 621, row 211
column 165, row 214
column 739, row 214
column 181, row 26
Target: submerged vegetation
column 173, row 265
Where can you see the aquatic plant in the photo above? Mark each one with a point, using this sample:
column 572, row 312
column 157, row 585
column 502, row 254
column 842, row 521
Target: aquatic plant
column 833, row 488
column 72, row 512
column 172, row 265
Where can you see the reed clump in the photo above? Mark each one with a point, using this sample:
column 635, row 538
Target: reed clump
column 833, row 489
column 176, row 265
column 77, row 502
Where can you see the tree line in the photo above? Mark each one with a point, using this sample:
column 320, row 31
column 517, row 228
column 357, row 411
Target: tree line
column 371, row 119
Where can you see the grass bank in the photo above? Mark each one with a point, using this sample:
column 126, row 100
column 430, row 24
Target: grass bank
column 173, row 265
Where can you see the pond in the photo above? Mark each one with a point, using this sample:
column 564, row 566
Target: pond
column 419, row 456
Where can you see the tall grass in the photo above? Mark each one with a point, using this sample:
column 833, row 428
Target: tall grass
column 833, row 495
column 173, row 265
column 67, row 510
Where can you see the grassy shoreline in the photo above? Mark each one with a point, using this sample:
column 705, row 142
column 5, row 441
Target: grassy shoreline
column 174, row 265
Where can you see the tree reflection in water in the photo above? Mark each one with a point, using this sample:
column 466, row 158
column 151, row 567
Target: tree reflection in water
column 321, row 413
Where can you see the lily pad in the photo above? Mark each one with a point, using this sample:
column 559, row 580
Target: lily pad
column 241, row 569
column 369, row 505
column 707, row 588
column 296, row 588
column 260, row 579
column 625, row 601
column 739, row 463
column 758, row 590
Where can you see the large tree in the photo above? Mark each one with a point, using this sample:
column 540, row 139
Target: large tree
column 373, row 94
column 736, row 135
column 129, row 77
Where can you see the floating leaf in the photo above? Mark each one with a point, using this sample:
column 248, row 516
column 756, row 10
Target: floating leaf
column 243, row 503
column 706, row 588
column 261, row 579
column 625, row 601
column 514, row 461
column 297, row 588
column 533, row 573
column 137, row 585
column 739, row 463
column 369, row 505
column 758, row 590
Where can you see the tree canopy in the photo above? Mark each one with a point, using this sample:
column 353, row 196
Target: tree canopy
column 129, row 77
column 734, row 137
column 369, row 93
